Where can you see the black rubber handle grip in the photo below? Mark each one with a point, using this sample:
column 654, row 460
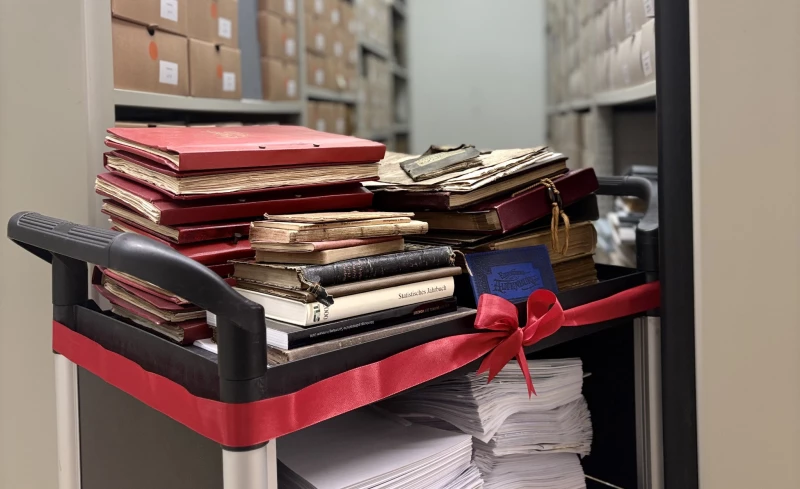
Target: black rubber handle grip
column 141, row 257
column 647, row 230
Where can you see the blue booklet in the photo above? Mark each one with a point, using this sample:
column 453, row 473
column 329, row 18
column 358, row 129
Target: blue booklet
column 511, row 274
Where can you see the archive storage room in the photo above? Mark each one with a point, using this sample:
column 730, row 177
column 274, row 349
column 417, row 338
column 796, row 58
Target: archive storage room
column 399, row 244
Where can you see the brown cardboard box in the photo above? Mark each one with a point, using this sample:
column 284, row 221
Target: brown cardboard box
column 149, row 60
column 328, row 112
column 335, row 14
column 351, row 119
column 316, row 116
column 348, row 17
column 279, row 79
column 277, row 36
column 351, row 48
column 649, row 50
column 340, row 118
column 285, row 8
column 167, row 15
column 338, row 41
column 317, row 7
column 634, row 16
column 316, row 71
column 316, row 34
column 334, row 76
column 214, row 71
column 215, row 21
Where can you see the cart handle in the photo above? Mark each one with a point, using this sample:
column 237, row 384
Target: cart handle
column 647, row 230
column 240, row 321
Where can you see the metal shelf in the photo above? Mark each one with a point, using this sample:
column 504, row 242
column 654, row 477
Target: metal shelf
column 331, row 96
column 130, row 98
column 375, row 48
column 379, row 136
column 399, row 8
column 639, row 93
column 399, row 71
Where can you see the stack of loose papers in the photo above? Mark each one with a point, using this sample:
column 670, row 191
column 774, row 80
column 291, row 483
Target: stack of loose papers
column 519, row 442
column 370, row 448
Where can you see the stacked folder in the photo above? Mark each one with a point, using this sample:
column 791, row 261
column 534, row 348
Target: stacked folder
column 198, row 189
column 490, row 201
column 329, row 275
column 518, row 442
column 369, row 448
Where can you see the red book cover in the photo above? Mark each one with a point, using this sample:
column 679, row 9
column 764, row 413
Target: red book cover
column 193, row 330
column 170, row 212
column 159, row 293
column 529, row 205
column 193, row 233
column 211, row 253
column 225, row 148
column 154, row 299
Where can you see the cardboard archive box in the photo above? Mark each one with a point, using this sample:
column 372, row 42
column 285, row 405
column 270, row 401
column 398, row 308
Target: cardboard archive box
column 214, row 71
column 167, row 15
column 634, row 16
column 215, row 21
column 280, row 79
column 149, row 60
column 277, row 37
column 316, row 71
column 317, row 33
column 285, row 8
column 649, row 50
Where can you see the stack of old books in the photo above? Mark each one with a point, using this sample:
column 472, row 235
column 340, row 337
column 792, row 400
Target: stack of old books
column 325, row 279
column 518, row 442
column 198, row 189
column 491, row 201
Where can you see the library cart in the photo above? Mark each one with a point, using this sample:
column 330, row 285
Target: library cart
column 211, row 393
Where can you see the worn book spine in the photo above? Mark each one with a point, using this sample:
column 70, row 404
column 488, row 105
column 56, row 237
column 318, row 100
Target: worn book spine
column 379, row 266
column 271, row 235
column 289, row 337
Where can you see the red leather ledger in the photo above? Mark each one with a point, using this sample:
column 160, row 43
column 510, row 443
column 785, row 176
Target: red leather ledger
column 224, row 148
column 211, row 253
column 193, row 330
column 154, row 299
column 195, row 233
column 155, row 292
column 527, row 206
column 281, row 201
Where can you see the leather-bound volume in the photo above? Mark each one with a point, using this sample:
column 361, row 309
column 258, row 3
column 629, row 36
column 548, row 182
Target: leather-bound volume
column 224, row 148
column 511, row 213
column 161, row 209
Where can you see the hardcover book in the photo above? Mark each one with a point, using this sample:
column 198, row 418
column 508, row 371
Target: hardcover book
column 511, row 274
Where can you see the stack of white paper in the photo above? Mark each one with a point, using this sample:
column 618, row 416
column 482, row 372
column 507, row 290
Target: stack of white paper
column 519, row 442
column 369, row 448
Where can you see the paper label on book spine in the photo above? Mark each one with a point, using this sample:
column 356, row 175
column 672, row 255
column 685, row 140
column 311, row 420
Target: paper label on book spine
column 647, row 63
column 291, row 88
column 169, row 10
column 289, row 7
column 290, row 47
column 649, row 9
column 225, row 28
column 228, row 81
column 167, row 72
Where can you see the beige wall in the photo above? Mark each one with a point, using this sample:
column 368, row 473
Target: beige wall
column 746, row 124
column 43, row 168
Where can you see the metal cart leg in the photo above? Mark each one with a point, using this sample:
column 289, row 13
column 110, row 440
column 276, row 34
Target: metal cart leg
column 647, row 341
column 255, row 468
column 67, row 424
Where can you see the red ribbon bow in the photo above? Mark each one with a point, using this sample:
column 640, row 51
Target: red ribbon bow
column 545, row 317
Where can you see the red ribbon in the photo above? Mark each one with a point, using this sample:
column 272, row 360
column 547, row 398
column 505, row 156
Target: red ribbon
column 244, row 425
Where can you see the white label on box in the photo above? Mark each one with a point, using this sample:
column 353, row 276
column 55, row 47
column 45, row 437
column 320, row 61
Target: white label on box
column 319, row 77
column 628, row 24
column 649, row 10
column 338, row 49
column 321, row 125
column 319, row 6
column 167, row 72
column 228, row 81
column 335, row 16
column 225, row 28
column 340, row 126
column 169, row 10
column 647, row 63
column 319, row 41
column 289, row 7
column 291, row 47
column 291, row 88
